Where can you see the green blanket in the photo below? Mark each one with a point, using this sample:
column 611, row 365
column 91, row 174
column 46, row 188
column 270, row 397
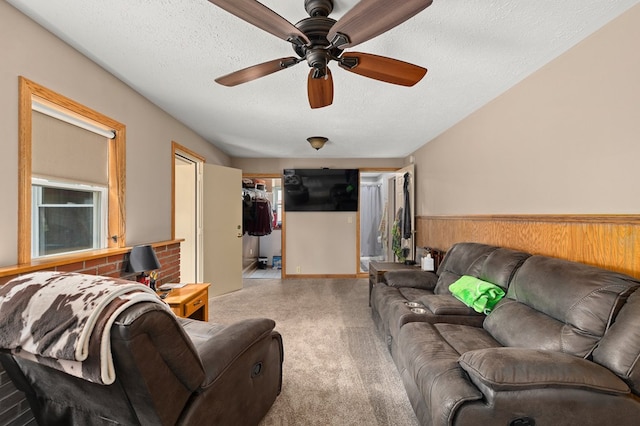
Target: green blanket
column 480, row 295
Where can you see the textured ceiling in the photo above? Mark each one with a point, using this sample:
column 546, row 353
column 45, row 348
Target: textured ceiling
column 171, row 51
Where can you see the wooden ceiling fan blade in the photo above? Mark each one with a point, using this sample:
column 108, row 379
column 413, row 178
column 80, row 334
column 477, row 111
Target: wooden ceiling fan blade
column 264, row 18
column 382, row 68
column 320, row 90
column 256, row 71
column 370, row 18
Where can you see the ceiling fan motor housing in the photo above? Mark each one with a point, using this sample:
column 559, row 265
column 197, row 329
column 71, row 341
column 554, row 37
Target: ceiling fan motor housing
column 317, row 55
column 318, row 7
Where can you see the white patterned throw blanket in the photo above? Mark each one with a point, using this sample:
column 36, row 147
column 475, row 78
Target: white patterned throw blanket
column 63, row 320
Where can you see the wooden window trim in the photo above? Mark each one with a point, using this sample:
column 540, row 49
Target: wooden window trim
column 28, row 91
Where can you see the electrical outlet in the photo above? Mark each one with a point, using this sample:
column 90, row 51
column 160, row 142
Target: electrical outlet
column 250, row 251
column 298, row 269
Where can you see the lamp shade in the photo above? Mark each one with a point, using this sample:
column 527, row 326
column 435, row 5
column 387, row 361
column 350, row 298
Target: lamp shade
column 142, row 259
column 317, row 142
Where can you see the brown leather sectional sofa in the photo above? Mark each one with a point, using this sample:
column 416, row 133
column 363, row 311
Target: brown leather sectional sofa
column 561, row 348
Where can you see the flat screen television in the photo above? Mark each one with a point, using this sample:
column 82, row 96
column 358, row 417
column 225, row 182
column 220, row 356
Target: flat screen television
column 307, row 190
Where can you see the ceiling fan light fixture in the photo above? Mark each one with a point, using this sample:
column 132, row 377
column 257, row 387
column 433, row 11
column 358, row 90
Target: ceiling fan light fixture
column 317, row 142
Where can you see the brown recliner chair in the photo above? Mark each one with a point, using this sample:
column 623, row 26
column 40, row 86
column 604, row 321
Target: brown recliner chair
column 168, row 371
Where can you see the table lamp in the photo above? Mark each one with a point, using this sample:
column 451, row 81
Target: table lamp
column 143, row 259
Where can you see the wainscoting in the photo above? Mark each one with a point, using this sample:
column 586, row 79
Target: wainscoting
column 608, row 241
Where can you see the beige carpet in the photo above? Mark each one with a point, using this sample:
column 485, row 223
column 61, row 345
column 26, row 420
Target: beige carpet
column 336, row 369
column 261, row 274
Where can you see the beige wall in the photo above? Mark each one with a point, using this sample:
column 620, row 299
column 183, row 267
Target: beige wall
column 320, row 243
column 29, row 50
column 564, row 141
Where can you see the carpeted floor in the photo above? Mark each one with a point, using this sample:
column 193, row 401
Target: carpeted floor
column 336, row 369
column 269, row 273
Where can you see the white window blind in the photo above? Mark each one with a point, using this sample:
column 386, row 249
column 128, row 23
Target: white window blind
column 68, row 152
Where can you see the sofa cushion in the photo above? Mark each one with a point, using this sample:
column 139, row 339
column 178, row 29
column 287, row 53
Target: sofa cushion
column 425, row 280
column 489, row 263
column 437, row 309
column 461, row 258
column 445, row 304
column 558, row 305
column 449, row 277
column 432, row 364
column 516, row 324
column 514, row 369
column 461, row 255
column 413, row 294
column 465, row 338
column 500, row 266
column 619, row 349
column 480, row 295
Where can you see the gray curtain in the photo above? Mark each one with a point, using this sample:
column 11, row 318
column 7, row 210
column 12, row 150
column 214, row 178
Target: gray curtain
column 370, row 217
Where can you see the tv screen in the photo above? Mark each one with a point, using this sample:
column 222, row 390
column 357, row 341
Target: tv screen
column 307, row 190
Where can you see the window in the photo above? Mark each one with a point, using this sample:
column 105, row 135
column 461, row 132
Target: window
column 67, row 217
column 53, row 170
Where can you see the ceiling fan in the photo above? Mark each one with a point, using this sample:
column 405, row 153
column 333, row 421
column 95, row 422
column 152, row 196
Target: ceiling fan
column 320, row 39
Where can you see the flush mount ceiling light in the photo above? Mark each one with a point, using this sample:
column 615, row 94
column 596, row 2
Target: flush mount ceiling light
column 317, row 142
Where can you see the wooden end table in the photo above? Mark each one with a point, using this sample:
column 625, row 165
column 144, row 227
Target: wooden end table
column 190, row 301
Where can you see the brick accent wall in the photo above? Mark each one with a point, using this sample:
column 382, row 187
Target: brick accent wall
column 14, row 408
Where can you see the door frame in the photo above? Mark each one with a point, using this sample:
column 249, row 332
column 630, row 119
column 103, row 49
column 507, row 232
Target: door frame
column 185, row 153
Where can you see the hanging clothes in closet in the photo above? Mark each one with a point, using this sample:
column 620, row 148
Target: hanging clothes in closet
column 406, row 224
column 257, row 215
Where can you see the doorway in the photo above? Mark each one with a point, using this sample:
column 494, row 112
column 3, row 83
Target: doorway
column 384, row 197
column 375, row 208
column 187, row 220
column 262, row 248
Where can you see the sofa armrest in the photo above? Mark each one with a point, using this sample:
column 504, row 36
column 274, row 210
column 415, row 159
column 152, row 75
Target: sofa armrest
column 425, row 280
column 446, row 304
column 509, row 369
column 219, row 346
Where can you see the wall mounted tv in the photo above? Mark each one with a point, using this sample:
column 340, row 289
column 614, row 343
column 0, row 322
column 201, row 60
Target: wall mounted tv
column 307, row 190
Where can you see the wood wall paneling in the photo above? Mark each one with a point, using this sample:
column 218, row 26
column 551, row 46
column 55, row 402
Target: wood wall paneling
column 610, row 242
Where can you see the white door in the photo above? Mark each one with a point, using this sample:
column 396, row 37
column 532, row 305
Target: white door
column 222, row 229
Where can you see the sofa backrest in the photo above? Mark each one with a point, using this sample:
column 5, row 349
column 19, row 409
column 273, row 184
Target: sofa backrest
column 558, row 305
column 489, row 263
column 619, row 349
column 461, row 259
column 501, row 265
